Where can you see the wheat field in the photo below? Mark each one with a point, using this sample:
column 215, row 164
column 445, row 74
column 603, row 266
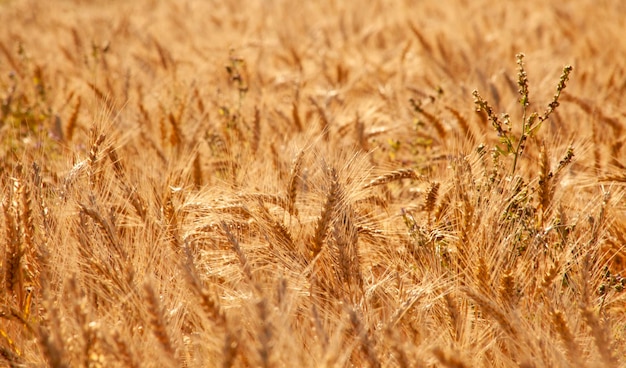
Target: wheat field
column 312, row 184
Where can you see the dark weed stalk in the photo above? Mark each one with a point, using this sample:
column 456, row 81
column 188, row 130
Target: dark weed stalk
column 530, row 123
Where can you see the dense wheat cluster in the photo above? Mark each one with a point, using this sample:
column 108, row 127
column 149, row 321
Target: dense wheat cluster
column 312, row 183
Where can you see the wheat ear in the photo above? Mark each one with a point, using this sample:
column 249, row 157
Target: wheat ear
column 157, row 321
column 292, row 191
column 448, row 359
column 559, row 322
column 332, row 199
column 392, row 176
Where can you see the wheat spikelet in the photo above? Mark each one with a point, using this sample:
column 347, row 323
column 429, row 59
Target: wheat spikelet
column 620, row 178
column 392, row 176
column 507, row 289
column 131, row 192
column 118, row 167
column 28, row 247
column 45, row 214
column 157, row 322
column 164, row 56
column 199, row 102
column 124, row 352
column 265, row 334
column 209, row 303
column 400, row 355
column 367, row 345
column 256, row 131
column 403, row 310
column 265, row 198
column 454, row 314
column 13, row 353
column 482, row 276
column 153, row 145
column 176, row 138
column 52, row 348
column 348, row 261
column 318, row 327
column 442, row 207
column 420, row 37
column 241, row 256
column 171, row 218
column 467, row 225
column 89, row 329
column 94, row 356
column 560, row 324
column 343, row 130
column 107, row 228
column 600, row 336
column 279, row 231
column 110, row 263
column 321, row 227
column 292, row 186
column 227, row 168
column 359, row 129
column 72, row 122
column 549, row 277
column 137, row 202
column 92, row 171
column 463, row 123
column 49, row 334
column 431, row 199
column 102, row 96
column 295, row 116
column 372, row 200
column 277, row 165
column 236, row 209
column 435, row 121
column 595, row 111
column 324, row 122
column 230, row 350
column 599, row 222
column 13, row 359
column 13, row 249
column 145, row 115
column 492, row 310
column 232, row 130
column 448, row 359
column 182, row 108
